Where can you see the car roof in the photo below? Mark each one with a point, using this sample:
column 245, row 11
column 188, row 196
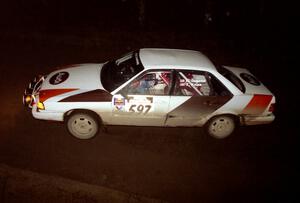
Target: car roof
column 154, row 58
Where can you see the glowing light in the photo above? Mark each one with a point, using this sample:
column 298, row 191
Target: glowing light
column 28, row 99
column 40, row 106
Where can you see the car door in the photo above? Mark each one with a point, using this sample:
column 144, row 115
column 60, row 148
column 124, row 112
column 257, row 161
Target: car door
column 195, row 96
column 144, row 101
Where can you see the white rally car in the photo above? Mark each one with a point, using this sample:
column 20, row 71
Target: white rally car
column 151, row 87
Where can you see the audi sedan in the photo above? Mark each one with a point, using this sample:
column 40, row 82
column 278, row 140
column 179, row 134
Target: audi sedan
column 151, row 87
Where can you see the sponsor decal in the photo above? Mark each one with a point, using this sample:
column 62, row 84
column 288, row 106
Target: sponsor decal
column 140, row 105
column 119, row 103
column 257, row 104
column 58, row 78
column 133, row 104
column 250, row 79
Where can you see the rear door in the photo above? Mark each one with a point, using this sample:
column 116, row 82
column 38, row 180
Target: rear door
column 196, row 95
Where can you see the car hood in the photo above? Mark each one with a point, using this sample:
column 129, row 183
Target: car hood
column 251, row 83
column 80, row 76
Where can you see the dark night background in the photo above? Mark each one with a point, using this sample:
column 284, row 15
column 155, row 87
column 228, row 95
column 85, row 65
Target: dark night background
column 38, row 35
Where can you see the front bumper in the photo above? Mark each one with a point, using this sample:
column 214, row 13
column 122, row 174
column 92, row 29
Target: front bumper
column 47, row 115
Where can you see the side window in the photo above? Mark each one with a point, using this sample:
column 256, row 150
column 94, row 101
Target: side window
column 198, row 83
column 191, row 83
column 151, row 83
column 218, row 88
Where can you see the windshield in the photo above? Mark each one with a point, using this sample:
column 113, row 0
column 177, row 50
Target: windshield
column 116, row 72
column 232, row 78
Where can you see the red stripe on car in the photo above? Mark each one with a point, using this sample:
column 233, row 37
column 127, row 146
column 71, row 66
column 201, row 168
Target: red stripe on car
column 46, row 94
column 257, row 104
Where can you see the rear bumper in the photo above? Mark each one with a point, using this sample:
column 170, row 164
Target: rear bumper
column 256, row 120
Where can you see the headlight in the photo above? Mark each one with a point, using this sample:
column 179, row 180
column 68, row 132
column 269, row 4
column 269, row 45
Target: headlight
column 28, row 99
column 40, row 106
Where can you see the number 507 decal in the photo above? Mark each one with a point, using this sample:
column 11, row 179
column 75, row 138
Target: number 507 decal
column 134, row 108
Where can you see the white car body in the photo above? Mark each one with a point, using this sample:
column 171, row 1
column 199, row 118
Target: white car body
column 80, row 88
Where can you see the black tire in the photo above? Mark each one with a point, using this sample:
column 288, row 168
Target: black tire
column 221, row 126
column 83, row 124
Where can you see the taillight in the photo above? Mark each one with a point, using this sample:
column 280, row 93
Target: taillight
column 272, row 107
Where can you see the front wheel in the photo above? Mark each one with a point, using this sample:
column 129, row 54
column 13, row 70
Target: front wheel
column 221, row 126
column 82, row 125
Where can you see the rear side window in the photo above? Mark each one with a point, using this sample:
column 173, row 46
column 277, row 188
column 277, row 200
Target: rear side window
column 232, row 78
column 198, row 83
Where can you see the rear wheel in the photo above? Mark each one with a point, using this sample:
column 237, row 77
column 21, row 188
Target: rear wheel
column 83, row 125
column 221, row 126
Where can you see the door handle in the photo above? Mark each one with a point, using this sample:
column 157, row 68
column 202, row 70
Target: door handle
column 210, row 103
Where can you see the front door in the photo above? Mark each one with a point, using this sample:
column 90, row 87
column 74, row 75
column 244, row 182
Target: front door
column 144, row 101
